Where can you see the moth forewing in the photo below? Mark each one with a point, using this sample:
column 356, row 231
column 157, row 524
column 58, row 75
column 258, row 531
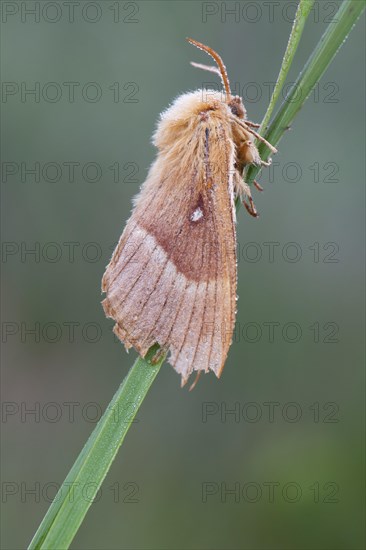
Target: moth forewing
column 172, row 277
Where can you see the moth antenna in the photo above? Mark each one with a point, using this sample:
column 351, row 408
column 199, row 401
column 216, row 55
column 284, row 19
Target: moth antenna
column 209, row 68
column 215, row 56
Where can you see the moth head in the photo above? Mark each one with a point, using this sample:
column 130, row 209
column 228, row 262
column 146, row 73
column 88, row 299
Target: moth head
column 237, row 107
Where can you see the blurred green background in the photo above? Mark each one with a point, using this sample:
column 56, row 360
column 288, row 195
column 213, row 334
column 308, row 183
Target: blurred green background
column 293, row 452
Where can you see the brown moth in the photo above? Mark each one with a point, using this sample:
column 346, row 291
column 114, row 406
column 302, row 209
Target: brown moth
column 172, row 276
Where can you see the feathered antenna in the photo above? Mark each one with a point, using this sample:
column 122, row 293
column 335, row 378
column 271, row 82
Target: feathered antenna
column 221, row 70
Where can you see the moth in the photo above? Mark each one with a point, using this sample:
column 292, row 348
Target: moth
column 173, row 275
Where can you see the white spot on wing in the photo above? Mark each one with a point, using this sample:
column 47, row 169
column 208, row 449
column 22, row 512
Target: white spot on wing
column 197, row 215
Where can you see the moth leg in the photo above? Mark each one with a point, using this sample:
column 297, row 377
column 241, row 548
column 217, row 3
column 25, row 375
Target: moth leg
column 252, row 124
column 266, row 163
column 242, row 190
column 251, row 209
column 244, row 124
column 257, row 186
column 160, row 353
